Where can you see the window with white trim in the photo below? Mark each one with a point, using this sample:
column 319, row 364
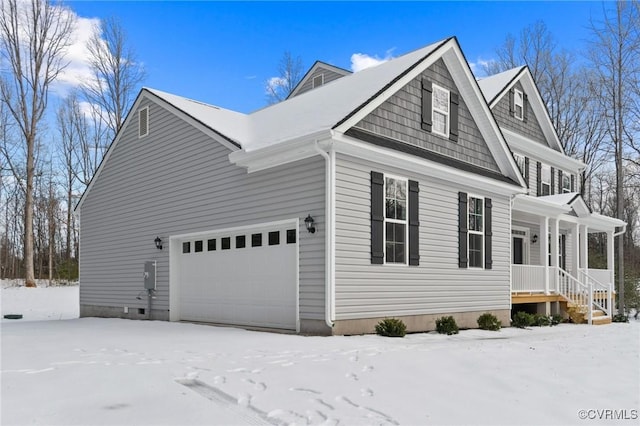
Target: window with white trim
column 521, row 162
column 545, row 180
column 395, row 220
column 476, row 232
column 566, row 183
column 518, row 104
column 440, row 108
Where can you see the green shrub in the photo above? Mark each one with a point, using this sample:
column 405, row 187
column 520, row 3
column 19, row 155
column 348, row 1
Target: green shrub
column 489, row 321
column 522, row 319
column 541, row 320
column 447, row 325
column 556, row 319
column 391, row 327
column 620, row 318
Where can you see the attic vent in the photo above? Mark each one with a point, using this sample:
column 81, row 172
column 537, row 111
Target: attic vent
column 318, row 80
column 143, row 122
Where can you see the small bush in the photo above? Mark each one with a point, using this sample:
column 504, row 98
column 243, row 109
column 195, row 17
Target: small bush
column 522, row 319
column 391, row 327
column 489, row 321
column 556, row 319
column 620, row 318
column 447, row 325
column 541, row 320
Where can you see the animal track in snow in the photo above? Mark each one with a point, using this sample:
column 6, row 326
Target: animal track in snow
column 366, row 392
column 367, row 368
column 352, row 376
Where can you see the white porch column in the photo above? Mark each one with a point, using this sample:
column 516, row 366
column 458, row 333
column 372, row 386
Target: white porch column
column 610, row 263
column 575, row 246
column 584, row 247
column 554, row 250
column 544, row 250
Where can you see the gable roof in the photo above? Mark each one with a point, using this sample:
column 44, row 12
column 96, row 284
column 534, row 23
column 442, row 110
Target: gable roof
column 497, row 86
column 316, row 66
column 335, row 107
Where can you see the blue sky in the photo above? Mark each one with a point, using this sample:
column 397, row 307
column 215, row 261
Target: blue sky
column 223, row 53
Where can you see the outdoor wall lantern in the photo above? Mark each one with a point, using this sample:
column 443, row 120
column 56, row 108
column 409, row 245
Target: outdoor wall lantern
column 308, row 222
column 158, row 242
column 534, row 239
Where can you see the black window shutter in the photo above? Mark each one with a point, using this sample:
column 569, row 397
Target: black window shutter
column 539, row 179
column 453, row 117
column 525, row 113
column 488, row 261
column 553, row 183
column 426, row 105
column 573, row 183
column 526, row 170
column 560, row 186
column 512, row 109
column 463, row 258
column 377, row 218
column 414, row 223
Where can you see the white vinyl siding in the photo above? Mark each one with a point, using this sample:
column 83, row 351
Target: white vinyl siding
column 437, row 285
column 182, row 184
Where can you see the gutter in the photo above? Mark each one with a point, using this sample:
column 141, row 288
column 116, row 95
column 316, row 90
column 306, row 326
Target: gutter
column 329, row 158
column 624, row 229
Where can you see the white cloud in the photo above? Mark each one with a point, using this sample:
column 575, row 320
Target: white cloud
column 478, row 67
column 274, row 84
column 360, row 61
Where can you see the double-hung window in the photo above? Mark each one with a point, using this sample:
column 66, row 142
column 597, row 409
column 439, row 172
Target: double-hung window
column 440, row 117
column 545, row 180
column 476, row 232
column 395, row 220
column 566, row 183
column 518, row 104
column 522, row 163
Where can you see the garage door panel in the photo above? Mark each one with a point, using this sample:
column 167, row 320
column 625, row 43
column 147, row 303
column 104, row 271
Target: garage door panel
column 254, row 286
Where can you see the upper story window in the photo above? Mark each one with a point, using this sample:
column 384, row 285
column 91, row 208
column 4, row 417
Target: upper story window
column 518, row 104
column 522, row 163
column 440, row 111
column 566, row 183
column 395, row 220
column 476, row 232
column 545, row 180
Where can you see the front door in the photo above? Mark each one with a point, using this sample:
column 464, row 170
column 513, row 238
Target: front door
column 518, row 250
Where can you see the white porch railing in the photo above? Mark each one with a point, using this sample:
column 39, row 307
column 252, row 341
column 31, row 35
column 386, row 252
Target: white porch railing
column 527, row 278
column 602, row 294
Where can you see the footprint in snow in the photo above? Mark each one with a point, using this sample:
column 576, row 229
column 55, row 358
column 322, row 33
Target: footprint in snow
column 366, row 392
column 367, row 368
column 352, row 376
column 219, row 380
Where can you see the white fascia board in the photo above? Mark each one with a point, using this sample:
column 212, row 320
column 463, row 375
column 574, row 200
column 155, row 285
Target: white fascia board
column 602, row 223
column 278, row 154
column 345, row 145
column 535, row 151
column 537, row 206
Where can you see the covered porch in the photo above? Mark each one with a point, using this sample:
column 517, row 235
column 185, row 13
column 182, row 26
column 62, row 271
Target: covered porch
column 550, row 259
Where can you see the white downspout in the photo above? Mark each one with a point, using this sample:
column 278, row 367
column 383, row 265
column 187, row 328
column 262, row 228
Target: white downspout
column 330, row 232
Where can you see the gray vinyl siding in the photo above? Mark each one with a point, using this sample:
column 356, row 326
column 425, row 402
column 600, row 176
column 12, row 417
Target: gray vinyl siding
column 400, row 118
column 178, row 180
column 531, row 128
column 437, row 285
column 329, row 76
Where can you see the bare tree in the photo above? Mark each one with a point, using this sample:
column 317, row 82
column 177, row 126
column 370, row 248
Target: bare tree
column 290, row 72
column 614, row 52
column 33, row 39
column 117, row 73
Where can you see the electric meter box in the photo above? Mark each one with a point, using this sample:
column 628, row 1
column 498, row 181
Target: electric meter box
column 150, row 275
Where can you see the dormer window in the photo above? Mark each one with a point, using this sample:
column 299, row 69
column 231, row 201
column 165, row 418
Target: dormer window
column 318, row 80
column 518, row 104
column 440, row 111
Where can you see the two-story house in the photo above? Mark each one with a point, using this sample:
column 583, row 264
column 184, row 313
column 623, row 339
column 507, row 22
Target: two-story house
column 391, row 192
column 551, row 223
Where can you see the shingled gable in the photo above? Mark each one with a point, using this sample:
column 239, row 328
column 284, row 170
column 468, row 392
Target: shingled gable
column 497, row 86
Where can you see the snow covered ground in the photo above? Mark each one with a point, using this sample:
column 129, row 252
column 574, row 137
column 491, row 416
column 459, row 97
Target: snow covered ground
column 92, row 371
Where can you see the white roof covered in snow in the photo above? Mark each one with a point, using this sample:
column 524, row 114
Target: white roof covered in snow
column 311, row 112
column 492, row 86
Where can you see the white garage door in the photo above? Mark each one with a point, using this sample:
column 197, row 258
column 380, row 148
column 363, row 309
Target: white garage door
column 246, row 277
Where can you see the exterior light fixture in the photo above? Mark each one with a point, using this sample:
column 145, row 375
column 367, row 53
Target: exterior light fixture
column 308, row 222
column 534, row 239
column 158, row 242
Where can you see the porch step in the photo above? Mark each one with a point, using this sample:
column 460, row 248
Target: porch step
column 601, row 320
